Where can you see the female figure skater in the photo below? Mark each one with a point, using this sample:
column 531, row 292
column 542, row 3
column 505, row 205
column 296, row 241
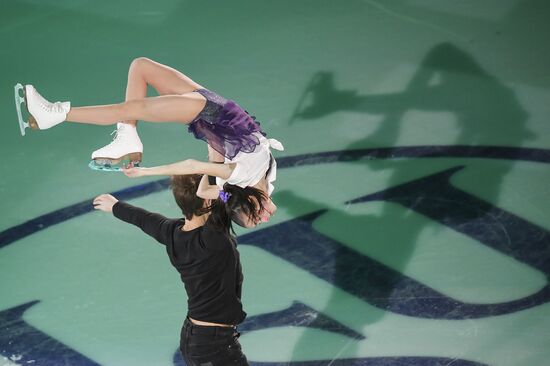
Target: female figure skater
column 233, row 136
column 202, row 250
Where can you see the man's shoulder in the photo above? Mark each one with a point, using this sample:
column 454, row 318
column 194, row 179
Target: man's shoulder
column 215, row 239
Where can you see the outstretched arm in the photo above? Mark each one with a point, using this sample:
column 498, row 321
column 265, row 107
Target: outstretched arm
column 184, row 167
column 153, row 224
column 104, row 202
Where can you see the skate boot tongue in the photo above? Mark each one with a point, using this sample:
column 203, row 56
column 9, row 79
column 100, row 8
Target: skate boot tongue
column 124, row 126
column 60, row 107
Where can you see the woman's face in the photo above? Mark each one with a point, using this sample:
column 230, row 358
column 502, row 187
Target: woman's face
column 264, row 214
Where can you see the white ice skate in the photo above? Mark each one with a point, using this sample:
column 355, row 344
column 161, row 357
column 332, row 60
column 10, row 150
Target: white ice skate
column 42, row 113
column 125, row 150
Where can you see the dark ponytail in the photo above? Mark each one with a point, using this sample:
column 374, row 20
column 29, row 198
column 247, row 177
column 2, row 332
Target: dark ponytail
column 248, row 201
column 220, row 218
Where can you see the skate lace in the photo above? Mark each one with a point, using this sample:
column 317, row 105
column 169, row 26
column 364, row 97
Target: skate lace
column 52, row 107
column 48, row 106
column 119, row 132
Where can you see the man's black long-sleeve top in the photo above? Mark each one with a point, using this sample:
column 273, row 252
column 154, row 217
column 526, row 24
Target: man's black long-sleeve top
column 206, row 259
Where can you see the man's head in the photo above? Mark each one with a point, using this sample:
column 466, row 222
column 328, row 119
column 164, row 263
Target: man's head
column 184, row 189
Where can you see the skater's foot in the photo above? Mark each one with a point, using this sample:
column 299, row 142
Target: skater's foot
column 44, row 114
column 125, row 150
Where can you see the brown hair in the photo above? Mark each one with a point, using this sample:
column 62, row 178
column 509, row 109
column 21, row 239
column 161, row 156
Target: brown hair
column 184, row 189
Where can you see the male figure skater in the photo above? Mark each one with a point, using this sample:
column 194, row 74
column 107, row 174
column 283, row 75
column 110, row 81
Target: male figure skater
column 203, row 251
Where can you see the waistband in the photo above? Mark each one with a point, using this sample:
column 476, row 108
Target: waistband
column 207, row 329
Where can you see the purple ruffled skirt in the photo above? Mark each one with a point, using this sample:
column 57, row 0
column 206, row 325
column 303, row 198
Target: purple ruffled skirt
column 225, row 126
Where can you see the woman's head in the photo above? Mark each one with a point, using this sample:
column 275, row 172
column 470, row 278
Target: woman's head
column 247, row 206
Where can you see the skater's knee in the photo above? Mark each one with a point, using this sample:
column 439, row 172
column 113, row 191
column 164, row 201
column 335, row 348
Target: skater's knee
column 139, row 63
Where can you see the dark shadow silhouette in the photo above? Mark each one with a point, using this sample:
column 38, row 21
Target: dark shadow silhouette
column 448, row 80
column 342, row 271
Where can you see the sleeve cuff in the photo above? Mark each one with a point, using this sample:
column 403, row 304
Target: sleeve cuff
column 119, row 208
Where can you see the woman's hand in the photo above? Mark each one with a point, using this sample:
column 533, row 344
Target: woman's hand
column 133, row 172
column 105, row 202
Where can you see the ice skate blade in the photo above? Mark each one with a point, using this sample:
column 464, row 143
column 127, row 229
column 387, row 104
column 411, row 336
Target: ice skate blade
column 108, row 167
column 103, row 168
column 18, row 101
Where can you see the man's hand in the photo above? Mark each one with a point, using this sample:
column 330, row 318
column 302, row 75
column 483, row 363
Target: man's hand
column 105, row 202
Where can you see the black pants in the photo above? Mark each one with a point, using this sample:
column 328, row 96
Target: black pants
column 210, row 346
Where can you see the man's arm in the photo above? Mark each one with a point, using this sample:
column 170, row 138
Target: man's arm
column 154, row 225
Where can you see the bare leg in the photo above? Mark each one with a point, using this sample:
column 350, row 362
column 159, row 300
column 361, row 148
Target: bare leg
column 165, row 108
column 176, row 104
column 214, row 156
column 164, row 79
